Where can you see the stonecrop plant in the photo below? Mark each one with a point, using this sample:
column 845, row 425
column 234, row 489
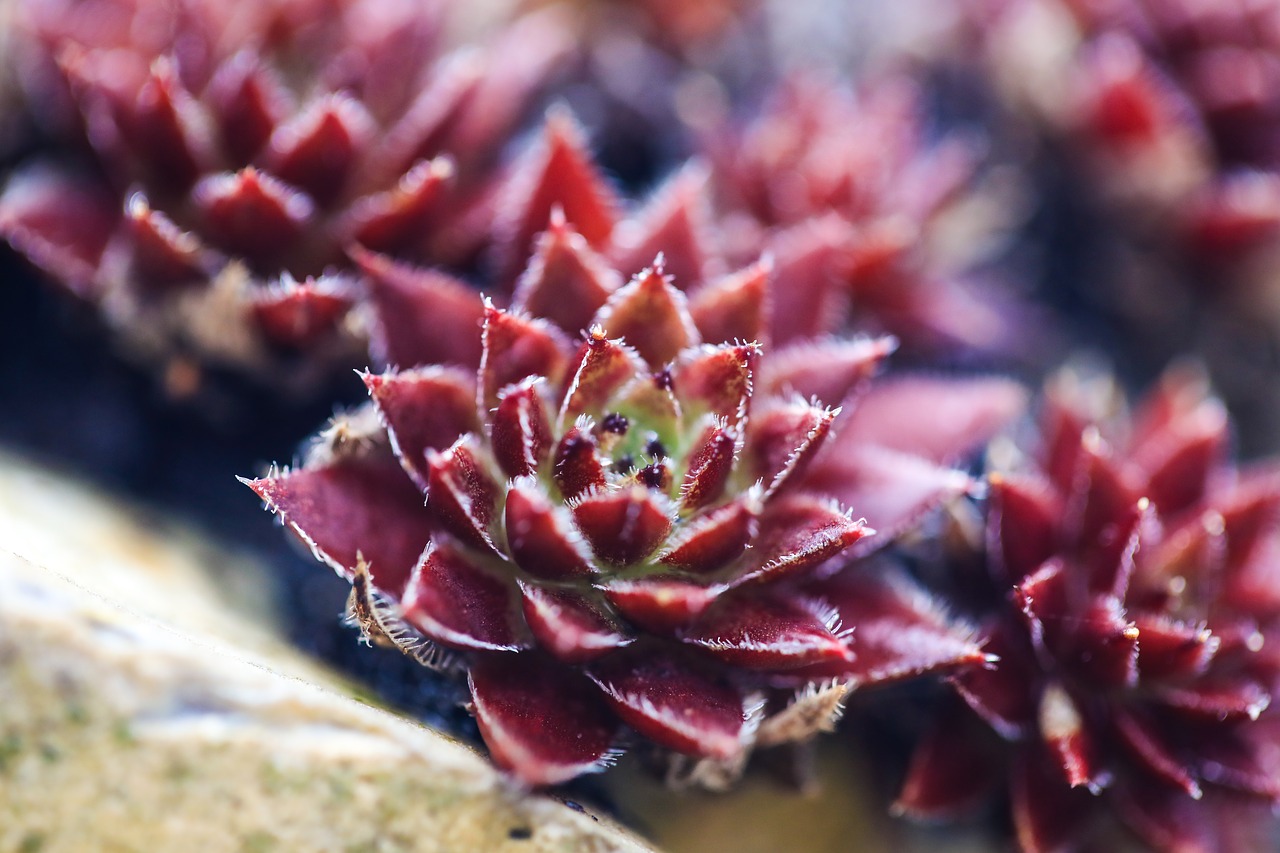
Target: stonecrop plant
column 1135, row 610
column 627, row 504
column 218, row 161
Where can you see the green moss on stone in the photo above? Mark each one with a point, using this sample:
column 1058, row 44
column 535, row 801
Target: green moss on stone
column 32, row 842
column 122, row 733
column 259, row 842
column 11, row 746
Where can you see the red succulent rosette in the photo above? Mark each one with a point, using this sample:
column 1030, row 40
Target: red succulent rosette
column 1138, row 645
column 631, row 515
column 233, row 152
column 849, row 180
column 561, row 245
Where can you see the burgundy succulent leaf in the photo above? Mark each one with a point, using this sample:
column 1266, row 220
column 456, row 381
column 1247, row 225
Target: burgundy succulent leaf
column 541, row 721
column 338, row 502
column 555, row 174
column 628, row 504
column 236, row 152
column 1135, row 678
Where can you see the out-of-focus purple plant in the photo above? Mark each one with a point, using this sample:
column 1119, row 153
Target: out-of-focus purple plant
column 672, row 25
column 849, row 183
column 216, row 161
column 1173, row 104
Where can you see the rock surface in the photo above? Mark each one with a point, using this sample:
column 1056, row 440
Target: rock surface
column 139, row 712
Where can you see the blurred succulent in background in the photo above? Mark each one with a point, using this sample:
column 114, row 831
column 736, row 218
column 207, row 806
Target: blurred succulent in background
column 230, row 155
column 632, row 514
column 1151, row 129
column 854, row 184
column 1137, row 636
column 865, row 277
column 1173, row 104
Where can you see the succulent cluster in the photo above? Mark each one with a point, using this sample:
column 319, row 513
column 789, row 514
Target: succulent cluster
column 630, row 513
column 221, row 160
column 1136, row 637
column 637, row 470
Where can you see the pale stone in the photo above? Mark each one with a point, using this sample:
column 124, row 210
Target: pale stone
column 139, row 713
column 840, row 811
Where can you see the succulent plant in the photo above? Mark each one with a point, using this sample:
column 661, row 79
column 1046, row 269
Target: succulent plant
column 632, row 514
column 853, row 183
column 1172, row 102
column 233, row 153
column 1136, row 638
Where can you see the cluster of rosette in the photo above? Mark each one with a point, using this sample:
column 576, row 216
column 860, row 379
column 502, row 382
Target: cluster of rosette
column 1138, row 639
column 218, row 160
column 609, row 508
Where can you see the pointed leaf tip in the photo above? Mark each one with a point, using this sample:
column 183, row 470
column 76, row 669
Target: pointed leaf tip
column 799, row 533
column 515, row 348
column 424, row 409
column 733, row 307
column 354, row 506
column 651, row 316
column 717, row 380
column 556, row 173
column 252, row 214
column 422, row 317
